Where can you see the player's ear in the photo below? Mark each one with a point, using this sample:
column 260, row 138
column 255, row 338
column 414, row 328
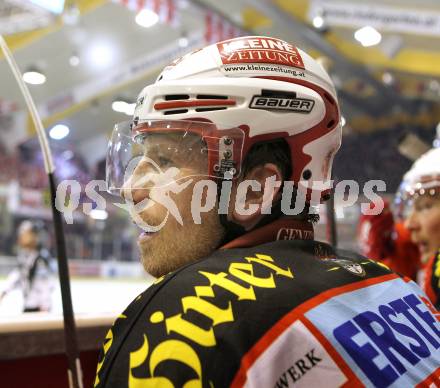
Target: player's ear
column 254, row 194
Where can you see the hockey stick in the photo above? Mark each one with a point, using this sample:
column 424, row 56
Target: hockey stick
column 332, row 232
column 70, row 337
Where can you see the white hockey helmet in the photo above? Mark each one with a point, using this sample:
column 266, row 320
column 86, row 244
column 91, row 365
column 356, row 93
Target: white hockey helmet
column 424, row 175
column 240, row 92
column 423, row 178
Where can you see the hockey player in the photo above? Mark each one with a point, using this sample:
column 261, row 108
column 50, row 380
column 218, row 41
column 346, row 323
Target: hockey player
column 422, row 197
column 383, row 238
column 34, row 276
column 223, row 149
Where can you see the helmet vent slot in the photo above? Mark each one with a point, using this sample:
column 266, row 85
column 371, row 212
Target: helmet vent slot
column 173, row 97
column 210, row 97
column 330, row 123
column 210, row 109
column 175, row 111
column 277, row 94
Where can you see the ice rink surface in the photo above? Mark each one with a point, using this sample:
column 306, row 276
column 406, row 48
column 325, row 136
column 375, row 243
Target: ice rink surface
column 94, row 295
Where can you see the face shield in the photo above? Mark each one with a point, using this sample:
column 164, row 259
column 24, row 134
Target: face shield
column 410, row 193
column 156, row 153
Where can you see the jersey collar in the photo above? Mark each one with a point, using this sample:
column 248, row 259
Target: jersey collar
column 280, row 229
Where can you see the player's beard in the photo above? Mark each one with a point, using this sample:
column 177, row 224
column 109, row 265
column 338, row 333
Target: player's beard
column 176, row 245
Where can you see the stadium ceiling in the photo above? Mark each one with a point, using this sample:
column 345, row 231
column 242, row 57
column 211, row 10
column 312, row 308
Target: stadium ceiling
column 94, row 53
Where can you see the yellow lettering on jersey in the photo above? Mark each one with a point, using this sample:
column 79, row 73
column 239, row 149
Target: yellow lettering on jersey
column 107, row 345
column 206, row 291
column 437, row 267
column 268, row 262
column 151, row 382
column 219, row 279
column 216, row 314
column 137, row 358
column 181, row 326
column 168, row 350
column 181, row 352
column 245, row 272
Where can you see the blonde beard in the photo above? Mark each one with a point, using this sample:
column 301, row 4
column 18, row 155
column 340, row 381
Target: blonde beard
column 175, row 246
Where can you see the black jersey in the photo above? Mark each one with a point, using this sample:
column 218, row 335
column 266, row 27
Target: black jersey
column 275, row 315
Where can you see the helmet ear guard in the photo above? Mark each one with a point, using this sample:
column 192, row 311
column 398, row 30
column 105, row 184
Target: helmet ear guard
column 309, row 164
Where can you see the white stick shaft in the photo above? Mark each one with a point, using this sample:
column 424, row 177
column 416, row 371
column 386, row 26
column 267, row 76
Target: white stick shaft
column 42, row 137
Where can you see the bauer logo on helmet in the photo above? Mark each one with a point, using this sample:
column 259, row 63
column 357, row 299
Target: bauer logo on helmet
column 301, row 105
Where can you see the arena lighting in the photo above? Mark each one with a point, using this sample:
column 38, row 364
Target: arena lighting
column 183, row 41
column 368, row 36
column 59, row 131
column 98, row 214
column 119, row 106
column 74, row 60
column 387, row 78
column 123, row 107
column 318, row 22
column 34, row 77
column 100, row 54
column 67, row 155
column 147, row 18
column 129, row 109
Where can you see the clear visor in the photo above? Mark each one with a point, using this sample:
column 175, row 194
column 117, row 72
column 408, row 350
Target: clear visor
column 156, row 153
column 408, row 195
